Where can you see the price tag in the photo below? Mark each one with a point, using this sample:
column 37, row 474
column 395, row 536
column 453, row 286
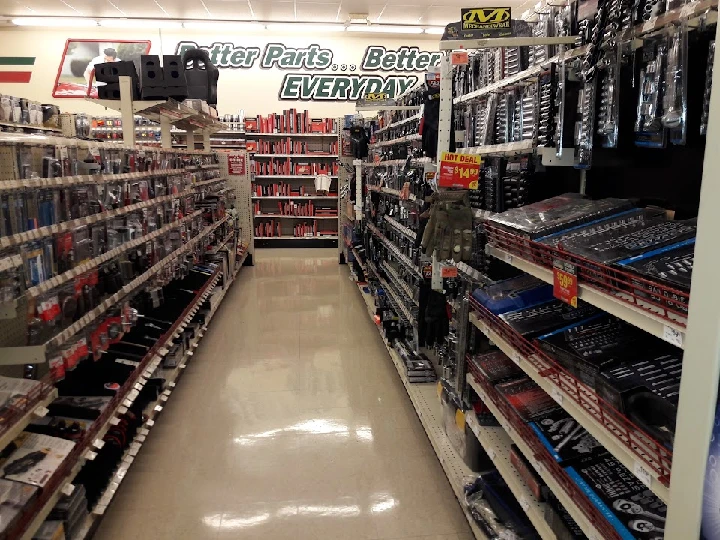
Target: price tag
column 144, row 431
column 507, row 258
column 524, row 503
column 163, row 398
column 459, row 170
column 565, row 285
column 643, row 474
column 491, row 454
column 98, row 444
column 448, row 272
column 140, row 438
column 158, row 408
column 648, row 25
column 41, row 411
column 150, row 423
column 556, row 395
column 114, row 421
column 90, row 455
column 515, row 357
column 122, row 410
column 182, row 366
column 460, row 419
column 128, row 459
column 172, row 385
column 68, row 489
column 675, row 337
column 99, row 509
column 459, row 58
column 138, row 386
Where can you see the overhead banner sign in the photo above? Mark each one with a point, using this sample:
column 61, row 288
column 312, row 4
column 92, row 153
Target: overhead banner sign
column 481, row 23
column 340, row 81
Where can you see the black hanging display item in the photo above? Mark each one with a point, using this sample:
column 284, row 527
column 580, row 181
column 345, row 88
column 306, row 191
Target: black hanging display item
column 174, row 74
column 201, row 75
column 152, row 83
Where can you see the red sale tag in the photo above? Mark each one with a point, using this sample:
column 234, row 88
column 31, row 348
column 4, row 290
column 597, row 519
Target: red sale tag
column 565, row 282
column 459, row 58
column 459, row 170
column 449, row 272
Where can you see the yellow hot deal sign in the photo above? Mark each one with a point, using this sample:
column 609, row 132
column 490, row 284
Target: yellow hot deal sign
column 459, row 170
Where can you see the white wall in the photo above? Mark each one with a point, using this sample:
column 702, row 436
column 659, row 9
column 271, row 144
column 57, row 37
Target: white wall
column 253, row 89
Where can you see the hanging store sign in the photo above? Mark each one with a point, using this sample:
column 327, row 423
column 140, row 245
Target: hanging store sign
column 481, row 23
column 565, row 285
column 459, row 170
column 236, row 164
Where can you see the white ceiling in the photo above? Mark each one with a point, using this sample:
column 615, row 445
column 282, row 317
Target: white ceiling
column 426, row 12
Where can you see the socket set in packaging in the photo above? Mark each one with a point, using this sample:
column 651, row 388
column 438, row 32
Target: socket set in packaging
column 48, row 157
column 111, row 128
column 17, row 110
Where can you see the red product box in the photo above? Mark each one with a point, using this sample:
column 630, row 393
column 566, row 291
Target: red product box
column 317, row 125
column 251, row 125
column 528, row 474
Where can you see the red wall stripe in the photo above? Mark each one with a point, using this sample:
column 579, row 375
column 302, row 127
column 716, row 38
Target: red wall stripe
column 15, row 76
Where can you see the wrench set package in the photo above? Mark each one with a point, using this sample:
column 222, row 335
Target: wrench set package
column 636, row 511
column 564, row 437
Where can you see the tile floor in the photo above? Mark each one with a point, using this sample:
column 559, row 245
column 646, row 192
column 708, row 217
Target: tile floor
column 290, row 422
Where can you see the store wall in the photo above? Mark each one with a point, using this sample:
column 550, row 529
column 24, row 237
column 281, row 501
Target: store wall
column 255, row 70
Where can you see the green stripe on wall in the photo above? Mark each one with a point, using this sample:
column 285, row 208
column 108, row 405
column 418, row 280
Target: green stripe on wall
column 17, row 60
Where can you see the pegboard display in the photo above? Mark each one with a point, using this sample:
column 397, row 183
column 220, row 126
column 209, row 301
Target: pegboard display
column 241, row 184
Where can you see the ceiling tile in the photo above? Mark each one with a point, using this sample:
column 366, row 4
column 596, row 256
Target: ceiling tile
column 239, row 11
column 275, row 11
column 402, row 14
column 317, row 12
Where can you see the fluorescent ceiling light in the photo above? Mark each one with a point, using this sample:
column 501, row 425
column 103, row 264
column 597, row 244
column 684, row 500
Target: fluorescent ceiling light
column 386, row 28
column 358, row 18
column 435, row 30
column 306, row 28
column 53, row 21
column 140, row 23
column 223, row 25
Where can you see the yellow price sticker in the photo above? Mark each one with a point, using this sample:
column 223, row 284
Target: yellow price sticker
column 460, row 419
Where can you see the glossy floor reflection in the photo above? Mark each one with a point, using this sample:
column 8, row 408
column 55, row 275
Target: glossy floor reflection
column 290, row 422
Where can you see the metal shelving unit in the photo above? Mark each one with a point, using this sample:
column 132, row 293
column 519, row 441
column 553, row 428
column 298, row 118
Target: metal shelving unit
column 613, row 442
column 497, row 444
column 167, row 113
column 642, row 318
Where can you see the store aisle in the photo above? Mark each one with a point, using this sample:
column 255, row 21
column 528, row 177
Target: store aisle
column 289, row 422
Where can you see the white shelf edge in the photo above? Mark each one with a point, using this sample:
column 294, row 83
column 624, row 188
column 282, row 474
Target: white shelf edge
column 329, row 237
column 583, row 522
column 421, row 396
column 497, row 444
column 641, row 318
column 301, row 176
column 612, row 444
column 306, row 156
column 293, row 217
column 278, row 197
column 400, row 123
column 302, row 135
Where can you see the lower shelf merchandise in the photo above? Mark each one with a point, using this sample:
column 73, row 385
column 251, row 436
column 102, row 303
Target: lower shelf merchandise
column 78, row 449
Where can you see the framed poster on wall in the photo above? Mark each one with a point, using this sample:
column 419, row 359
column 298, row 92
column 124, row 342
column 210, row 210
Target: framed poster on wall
column 82, row 55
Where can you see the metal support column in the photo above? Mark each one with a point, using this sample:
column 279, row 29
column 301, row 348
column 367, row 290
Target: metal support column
column 165, row 135
column 190, row 139
column 126, row 110
column 701, row 362
column 445, row 118
column 463, row 322
column 206, row 141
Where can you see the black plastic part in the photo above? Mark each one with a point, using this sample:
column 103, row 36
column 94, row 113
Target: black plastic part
column 110, row 71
